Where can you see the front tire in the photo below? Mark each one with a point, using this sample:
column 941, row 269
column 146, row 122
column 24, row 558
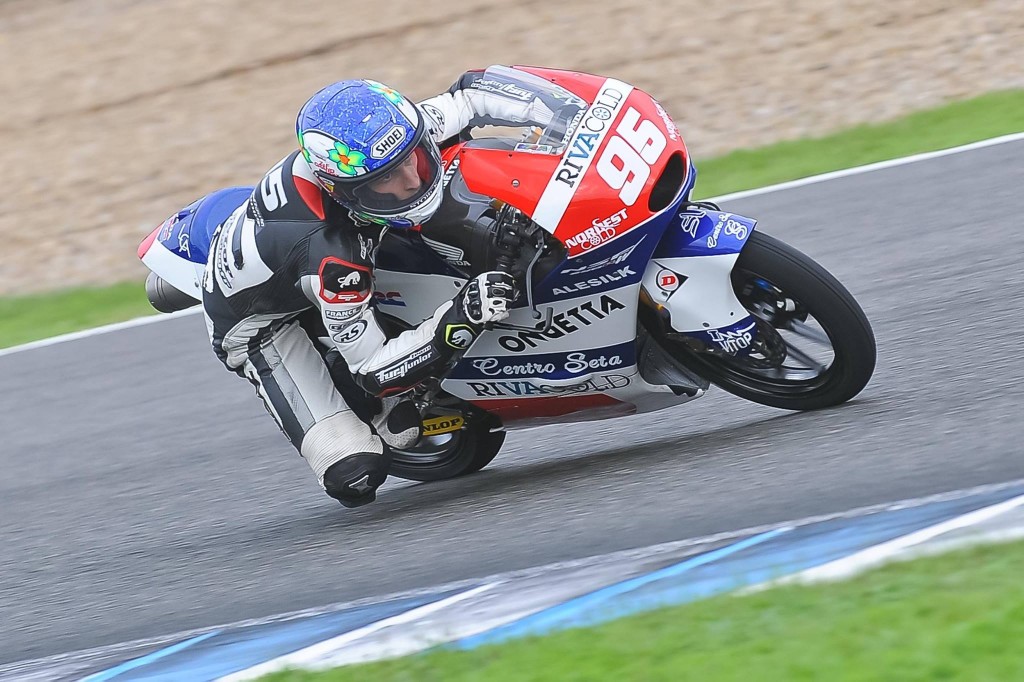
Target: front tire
column 788, row 292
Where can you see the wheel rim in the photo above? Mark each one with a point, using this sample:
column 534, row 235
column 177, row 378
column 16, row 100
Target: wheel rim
column 431, row 451
column 794, row 353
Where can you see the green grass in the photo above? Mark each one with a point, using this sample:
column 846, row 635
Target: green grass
column 27, row 318
column 955, row 617
column 33, row 317
column 991, row 115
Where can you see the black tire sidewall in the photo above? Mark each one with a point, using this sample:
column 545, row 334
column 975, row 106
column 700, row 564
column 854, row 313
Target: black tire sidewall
column 477, row 445
column 829, row 303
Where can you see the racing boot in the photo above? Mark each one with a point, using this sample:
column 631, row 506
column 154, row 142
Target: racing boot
column 399, row 423
column 354, row 480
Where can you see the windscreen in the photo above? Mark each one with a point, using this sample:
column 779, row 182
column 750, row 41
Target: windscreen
column 566, row 108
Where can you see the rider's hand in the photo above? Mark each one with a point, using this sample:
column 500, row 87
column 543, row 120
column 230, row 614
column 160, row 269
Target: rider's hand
column 488, row 297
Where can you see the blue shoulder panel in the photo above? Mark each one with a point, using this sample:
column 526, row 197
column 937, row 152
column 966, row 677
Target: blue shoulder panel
column 189, row 232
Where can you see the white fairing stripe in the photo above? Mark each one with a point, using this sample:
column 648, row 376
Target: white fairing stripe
column 705, row 299
column 180, row 273
column 559, row 192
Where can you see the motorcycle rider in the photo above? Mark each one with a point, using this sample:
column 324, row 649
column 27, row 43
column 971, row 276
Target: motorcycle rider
column 304, row 244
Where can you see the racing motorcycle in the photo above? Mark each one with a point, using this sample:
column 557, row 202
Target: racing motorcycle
column 634, row 298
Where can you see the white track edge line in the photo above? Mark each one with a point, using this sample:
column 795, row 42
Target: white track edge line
column 638, row 552
column 779, row 187
column 311, row 654
column 870, row 167
column 878, row 554
column 96, row 331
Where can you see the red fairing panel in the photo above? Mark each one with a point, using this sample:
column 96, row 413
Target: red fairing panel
column 547, row 407
column 598, row 188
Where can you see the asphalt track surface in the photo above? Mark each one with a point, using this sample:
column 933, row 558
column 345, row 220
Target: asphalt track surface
column 145, row 491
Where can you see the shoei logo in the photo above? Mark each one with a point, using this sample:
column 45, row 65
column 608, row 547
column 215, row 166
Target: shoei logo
column 387, row 144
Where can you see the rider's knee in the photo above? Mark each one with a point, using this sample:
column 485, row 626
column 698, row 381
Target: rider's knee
column 347, row 457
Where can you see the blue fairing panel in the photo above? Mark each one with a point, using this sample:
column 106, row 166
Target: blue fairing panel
column 698, row 231
column 188, row 234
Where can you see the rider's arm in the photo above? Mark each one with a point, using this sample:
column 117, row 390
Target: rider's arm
column 342, row 290
column 478, row 99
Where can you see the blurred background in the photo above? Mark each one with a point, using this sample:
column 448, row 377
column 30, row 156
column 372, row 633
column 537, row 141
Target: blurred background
column 118, row 112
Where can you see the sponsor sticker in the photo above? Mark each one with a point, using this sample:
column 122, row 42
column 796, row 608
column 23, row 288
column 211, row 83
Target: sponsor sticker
column 183, row 244
column 689, row 221
column 731, row 227
column 510, row 90
column 572, row 320
column 500, row 389
column 350, row 333
column 733, row 341
column 668, row 280
column 452, row 254
column 436, row 114
column 388, row 142
column 670, row 126
column 599, row 232
column 342, row 314
column 607, row 262
column 435, row 426
column 420, row 356
column 365, row 246
column 573, row 363
column 450, row 171
column 595, row 282
column 389, row 298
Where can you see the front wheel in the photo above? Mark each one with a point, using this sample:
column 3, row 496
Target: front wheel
column 814, row 346
column 447, row 455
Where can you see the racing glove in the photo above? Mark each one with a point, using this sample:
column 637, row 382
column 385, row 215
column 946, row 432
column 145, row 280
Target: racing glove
column 488, row 297
column 391, row 366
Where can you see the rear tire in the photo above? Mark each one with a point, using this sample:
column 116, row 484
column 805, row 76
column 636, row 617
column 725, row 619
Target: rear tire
column 782, row 271
column 459, row 453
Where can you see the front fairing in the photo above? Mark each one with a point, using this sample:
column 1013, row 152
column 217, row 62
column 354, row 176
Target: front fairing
column 594, row 177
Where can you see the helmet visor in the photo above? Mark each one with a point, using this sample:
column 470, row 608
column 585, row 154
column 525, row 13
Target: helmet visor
column 402, row 187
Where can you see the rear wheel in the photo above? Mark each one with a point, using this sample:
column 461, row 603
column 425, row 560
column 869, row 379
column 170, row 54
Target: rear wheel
column 447, row 455
column 814, row 346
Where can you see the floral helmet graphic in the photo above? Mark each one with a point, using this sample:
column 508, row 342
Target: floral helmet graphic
column 370, row 149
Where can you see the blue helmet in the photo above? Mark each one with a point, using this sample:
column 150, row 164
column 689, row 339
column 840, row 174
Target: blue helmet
column 371, row 150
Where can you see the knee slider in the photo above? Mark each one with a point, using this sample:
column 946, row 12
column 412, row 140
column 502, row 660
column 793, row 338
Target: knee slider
column 353, row 481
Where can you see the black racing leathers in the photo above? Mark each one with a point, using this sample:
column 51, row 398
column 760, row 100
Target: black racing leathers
column 291, row 249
